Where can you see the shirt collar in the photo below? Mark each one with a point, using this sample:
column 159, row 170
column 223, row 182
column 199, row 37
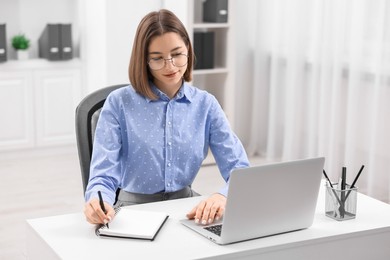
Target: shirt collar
column 182, row 95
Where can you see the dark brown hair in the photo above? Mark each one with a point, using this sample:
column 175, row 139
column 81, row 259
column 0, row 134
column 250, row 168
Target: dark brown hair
column 152, row 25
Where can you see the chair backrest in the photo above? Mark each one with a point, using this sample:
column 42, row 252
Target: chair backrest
column 87, row 115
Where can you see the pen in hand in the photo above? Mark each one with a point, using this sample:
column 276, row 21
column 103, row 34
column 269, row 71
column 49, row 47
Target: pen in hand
column 102, row 204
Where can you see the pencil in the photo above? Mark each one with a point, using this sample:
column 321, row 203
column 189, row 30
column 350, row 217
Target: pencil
column 330, row 183
column 326, row 176
column 357, row 177
column 354, row 181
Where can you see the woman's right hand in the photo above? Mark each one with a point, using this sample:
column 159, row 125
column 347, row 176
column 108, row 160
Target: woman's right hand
column 94, row 213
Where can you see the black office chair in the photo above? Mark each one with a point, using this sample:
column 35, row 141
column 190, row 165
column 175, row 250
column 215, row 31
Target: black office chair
column 87, row 114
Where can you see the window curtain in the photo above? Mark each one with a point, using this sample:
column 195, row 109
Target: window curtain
column 322, row 73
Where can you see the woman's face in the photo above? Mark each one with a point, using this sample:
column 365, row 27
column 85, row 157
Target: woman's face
column 166, row 76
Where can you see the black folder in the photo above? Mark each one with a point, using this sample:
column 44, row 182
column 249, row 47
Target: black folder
column 55, row 42
column 66, row 41
column 204, row 50
column 49, row 42
column 3, row 43
column 215, row 11
column 198, row 50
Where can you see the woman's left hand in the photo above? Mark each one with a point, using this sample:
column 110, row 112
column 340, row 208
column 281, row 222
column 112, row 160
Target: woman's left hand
column 208, row 210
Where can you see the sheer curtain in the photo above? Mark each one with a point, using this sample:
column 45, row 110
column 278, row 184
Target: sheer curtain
column 323, row 86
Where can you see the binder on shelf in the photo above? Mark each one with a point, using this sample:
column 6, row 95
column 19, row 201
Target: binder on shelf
column 198, row 50
column 204, row 50
column 55, row 42
column 215, row 11
column 66, row 42
column 3, row 43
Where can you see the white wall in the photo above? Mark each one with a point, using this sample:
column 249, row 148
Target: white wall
column 123, row 18
column 109, row 33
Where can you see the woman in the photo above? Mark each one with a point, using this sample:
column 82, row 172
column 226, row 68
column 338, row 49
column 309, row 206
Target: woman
column 153, row 135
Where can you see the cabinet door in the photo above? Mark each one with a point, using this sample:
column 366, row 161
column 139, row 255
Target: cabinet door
column 57, row 95
column 16, row 110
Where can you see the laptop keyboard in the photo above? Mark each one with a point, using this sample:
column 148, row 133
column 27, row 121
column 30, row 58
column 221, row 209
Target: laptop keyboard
column 216, row 229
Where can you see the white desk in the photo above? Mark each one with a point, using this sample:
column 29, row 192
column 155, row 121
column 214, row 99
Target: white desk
column 71, row 237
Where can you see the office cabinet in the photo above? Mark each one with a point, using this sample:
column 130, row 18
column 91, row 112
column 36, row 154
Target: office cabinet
column 17, row 110
column 57, row 94
column 39, row 102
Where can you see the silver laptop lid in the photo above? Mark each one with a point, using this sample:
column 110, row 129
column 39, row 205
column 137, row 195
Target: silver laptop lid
column 271, row 199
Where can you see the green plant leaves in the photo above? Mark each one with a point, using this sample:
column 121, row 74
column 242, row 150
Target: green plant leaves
column 20, row 42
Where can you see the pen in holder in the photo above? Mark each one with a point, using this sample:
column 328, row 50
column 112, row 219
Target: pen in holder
column 340, row 204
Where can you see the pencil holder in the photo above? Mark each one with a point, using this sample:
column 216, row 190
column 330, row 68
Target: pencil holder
column 340, row 204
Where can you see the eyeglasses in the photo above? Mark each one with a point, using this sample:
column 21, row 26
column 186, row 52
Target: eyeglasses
column 178, row 60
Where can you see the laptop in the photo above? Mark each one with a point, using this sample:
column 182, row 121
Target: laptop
column 267, row 200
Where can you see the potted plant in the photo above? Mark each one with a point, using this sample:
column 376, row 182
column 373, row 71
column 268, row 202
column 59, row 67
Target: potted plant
column 21, row 43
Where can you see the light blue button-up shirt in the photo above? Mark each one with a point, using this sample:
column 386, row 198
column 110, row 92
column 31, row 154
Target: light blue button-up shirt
column 150, row 146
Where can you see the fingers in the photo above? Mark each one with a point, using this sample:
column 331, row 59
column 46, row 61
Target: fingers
column 213, row 213
column 110, row 212
column 200, row 212
column 192, row 213
column 220, row 213
column 89, row 213
column 208, row 210
column 95, row 215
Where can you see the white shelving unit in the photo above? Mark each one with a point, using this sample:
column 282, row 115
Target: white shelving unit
column 218, row 80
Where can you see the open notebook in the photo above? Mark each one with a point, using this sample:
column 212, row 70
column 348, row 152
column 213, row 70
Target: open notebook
column 130, row 223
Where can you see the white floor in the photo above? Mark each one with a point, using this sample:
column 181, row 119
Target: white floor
column 40, row 186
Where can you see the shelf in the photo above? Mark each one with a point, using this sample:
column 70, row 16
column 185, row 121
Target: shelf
column 40, row 64
column 210, row 71
column 210, row 25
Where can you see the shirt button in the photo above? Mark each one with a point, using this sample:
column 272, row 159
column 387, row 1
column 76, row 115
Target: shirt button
column 168, row 184
column 169, row 164
column 169, row 143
